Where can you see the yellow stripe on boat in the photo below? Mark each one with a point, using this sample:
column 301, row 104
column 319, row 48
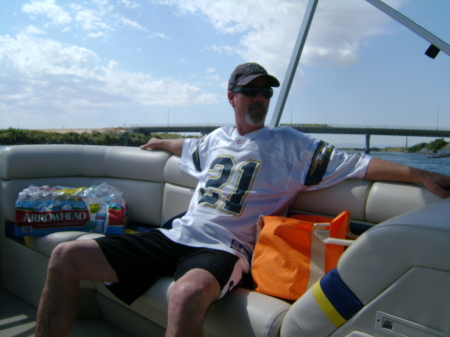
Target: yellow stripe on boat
column 326, row 306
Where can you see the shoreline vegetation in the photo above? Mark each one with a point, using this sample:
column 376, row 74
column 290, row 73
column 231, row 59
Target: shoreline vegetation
column 436, row 147
column 118, row 136
column 108, row 136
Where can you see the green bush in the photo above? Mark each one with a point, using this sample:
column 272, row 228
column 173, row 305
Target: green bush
column 20, row 136
column 417, row 147
column 436, row 145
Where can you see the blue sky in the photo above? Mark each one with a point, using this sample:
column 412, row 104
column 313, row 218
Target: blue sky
column 109, row 63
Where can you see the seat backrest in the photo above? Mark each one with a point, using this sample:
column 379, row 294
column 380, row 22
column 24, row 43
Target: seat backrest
column 399, row 268
column 138, row 174
column 156, row 190
column 367, row 201
column 178, row 190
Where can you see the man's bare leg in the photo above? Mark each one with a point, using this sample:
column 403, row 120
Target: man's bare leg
column 70, row 263
column 190, row 298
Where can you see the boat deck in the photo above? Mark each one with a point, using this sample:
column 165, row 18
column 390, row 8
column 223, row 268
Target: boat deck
column 18, row 319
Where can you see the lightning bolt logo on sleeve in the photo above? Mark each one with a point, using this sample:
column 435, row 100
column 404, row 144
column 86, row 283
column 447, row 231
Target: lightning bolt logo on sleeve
column 196, row 160
column 319, row 163
column 196, row 155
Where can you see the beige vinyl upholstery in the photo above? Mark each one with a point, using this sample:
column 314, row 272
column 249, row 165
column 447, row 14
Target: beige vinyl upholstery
column 156, row 190
column 400, row 267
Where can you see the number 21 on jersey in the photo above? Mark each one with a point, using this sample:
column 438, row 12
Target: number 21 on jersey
column 223, row 172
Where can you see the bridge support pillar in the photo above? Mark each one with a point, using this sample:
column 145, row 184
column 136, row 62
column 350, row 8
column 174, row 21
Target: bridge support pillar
column 367, row 151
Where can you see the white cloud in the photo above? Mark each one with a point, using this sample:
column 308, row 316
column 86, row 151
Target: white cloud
column 222, row 49
column 34, row 30
column 230, row 16
column 104, row 7
column 269, row 28
column 132, row 24
column 101, row 3
column 37, row 59
column 89, row 20
column 96, row 34
column 49, row 76
column 130, row 4
column 158, row 35
column 48, row 8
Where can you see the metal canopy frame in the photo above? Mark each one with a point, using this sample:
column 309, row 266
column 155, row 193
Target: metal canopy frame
column 303, row 34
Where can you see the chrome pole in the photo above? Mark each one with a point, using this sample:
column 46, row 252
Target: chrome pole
column 434, row 40
column 295, row 58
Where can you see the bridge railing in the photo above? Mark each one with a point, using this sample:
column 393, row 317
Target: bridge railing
column 331, row 126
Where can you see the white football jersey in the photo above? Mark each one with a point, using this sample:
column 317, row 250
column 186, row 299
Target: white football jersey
column 242, row 177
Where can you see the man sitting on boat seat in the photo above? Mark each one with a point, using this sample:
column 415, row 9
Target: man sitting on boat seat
column 243, row 172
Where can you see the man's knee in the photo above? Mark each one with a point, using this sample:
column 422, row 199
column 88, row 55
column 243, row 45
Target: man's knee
column 196, row 287
column 81, row 260
column 61, row 253
column 66, row 257
column 187, row 290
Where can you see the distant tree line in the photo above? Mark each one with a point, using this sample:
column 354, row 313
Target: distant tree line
column 434, row 146
column 13, row 136
column 425, row 148
column 21, row 136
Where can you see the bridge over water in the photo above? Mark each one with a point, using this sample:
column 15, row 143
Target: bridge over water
column 307, row 128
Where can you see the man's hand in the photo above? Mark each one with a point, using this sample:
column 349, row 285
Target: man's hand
column 379, row 169
column 152, row 144
column 173, row 145
column 437, row 183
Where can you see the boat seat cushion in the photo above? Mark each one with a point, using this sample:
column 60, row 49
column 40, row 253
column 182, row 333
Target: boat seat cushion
column 387, row 200
column 380, row 259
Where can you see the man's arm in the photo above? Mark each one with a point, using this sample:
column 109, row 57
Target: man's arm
column 379, row 169
column 173, row 145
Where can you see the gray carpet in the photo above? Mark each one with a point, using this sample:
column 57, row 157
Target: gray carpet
column 18, row 319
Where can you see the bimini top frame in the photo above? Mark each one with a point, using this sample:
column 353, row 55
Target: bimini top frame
column 436, row 45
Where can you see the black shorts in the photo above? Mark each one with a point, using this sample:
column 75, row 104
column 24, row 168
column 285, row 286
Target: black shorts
column 141, row 259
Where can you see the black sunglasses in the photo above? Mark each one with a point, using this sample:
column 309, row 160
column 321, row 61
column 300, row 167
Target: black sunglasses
column 254, row 91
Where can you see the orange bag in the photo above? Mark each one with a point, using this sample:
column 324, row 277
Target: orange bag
column 291, row 254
